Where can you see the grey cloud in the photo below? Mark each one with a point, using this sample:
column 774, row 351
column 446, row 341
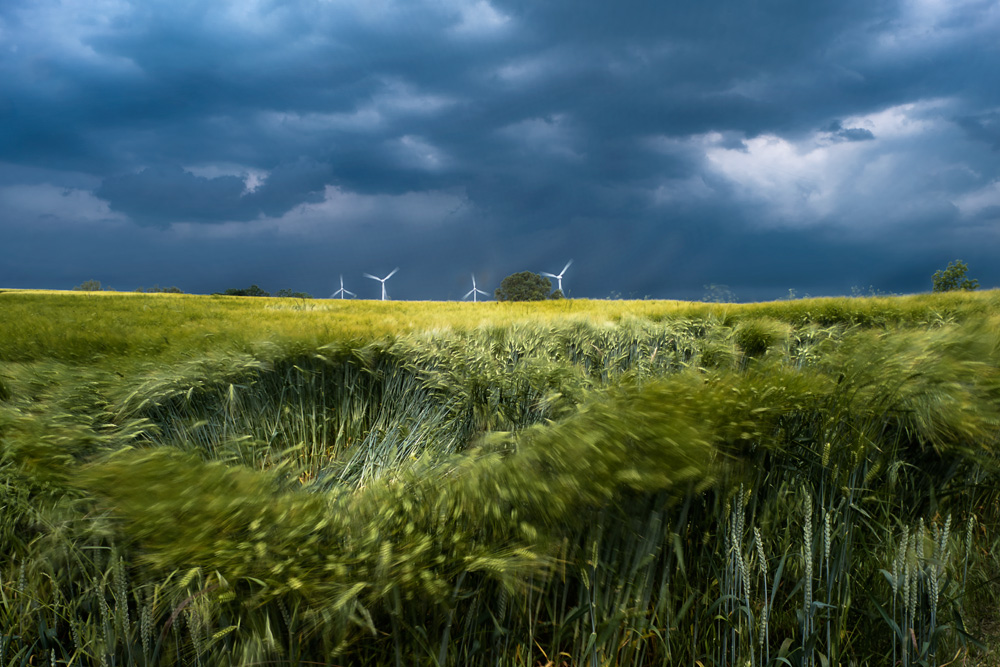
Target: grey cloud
column 856, row 134
column 672, row 255
column 838, row 131
column 983, row 127
column 289, row 185
column 161, row 195
column 988, row 214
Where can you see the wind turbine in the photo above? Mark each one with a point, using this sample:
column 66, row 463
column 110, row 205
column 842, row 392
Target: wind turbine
column 382, row 280
column 343, row 291
column 475, row 291
column 558, row 277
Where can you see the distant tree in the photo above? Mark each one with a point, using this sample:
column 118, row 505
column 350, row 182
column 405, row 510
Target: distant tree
column 89, row 286
column 253, row 290
column 294, row 295
column 524, row 286
column 557, row 294
column 953, row 278
column 156, row 289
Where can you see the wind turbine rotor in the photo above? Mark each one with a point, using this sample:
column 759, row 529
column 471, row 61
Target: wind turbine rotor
column 475, row 291
column 342, row 291
column 382, row 280
column 558, row 277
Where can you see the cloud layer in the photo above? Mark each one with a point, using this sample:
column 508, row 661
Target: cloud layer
column 766, row 146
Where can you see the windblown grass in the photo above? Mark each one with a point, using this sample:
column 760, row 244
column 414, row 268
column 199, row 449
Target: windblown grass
column 195, row 480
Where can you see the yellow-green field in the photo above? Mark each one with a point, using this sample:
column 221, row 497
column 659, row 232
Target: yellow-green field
column 229, row 480
column 81, row 326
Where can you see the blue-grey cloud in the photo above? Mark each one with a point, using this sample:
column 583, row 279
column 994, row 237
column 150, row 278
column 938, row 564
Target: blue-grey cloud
column 838, row 131
column 168, row 194
column 663, row 146
column 984, row 127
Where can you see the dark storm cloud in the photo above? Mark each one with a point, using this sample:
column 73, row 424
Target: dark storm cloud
column 856, row 134
column 168, row 194
column 164, row 195
column 983, row 127
column 663, row 145
column 838, row 131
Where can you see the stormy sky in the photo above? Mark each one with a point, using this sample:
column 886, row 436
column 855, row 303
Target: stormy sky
column 766, row 145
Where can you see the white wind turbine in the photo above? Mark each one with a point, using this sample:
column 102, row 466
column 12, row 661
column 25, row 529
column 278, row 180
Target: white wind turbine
column 343, row 291
column 382, row 280
column 558, row 277
column 475, row 291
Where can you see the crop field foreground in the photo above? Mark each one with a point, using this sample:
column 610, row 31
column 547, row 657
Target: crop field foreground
column 190, row 480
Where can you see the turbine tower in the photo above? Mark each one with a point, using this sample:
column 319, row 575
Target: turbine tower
column 475, row 291
column 382, row 280
column 559, row 277
column 342, row 291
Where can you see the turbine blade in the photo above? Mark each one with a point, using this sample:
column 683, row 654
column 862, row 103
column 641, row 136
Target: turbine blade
column 368, row 275
column 391, row 274
column 565, row 267
column 468, row 293
column 550, row 275
column 347, row 291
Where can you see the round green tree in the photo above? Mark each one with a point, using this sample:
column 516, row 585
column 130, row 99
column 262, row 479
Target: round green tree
column 953, row 278
column 524, row 286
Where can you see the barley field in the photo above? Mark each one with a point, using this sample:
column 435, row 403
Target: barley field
column 193, row 480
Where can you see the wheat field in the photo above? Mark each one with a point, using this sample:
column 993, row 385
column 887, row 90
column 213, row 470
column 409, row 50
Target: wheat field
column 238, row 481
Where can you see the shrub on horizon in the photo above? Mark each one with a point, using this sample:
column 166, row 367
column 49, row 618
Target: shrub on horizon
column 156, row 289
column 287, row 293
column 253, row 290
